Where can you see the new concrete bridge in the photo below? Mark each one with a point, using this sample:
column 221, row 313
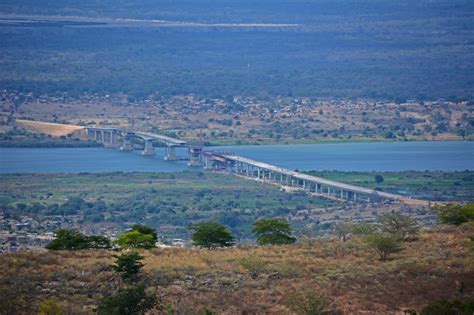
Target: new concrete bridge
column 295, row 180
column 241, row 166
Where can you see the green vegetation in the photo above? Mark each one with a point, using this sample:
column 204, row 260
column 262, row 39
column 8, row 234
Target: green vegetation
column 384, row 245
column 165, row 201
column 127, row 301
column 50, row 307
column 71, row 239
column 135, row 239
column 140, row 236
column 400, row 48
column 211, row 235
column 128, row 265
column 400, row 225
column 456, row 214
column 273, row 232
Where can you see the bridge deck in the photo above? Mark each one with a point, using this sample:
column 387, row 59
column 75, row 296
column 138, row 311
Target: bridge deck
column 315, row 179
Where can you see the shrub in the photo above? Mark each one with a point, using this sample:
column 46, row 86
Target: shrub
column 273, row 232
column 444, row 307
column 456, row 214
column 363, row 229
column 128, row 265
column 379, row 179
column 309, row 302
column 50, row 307
column 384, row 245
column 399, row 224
column 253, row 265
column 127, row 301
column 210, row 235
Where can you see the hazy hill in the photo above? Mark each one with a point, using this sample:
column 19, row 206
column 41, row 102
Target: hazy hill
column 380, row 49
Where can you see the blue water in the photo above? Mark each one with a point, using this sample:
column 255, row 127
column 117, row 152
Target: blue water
column 380, row 156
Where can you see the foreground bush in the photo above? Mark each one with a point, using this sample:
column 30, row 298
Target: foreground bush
column 127, row 301
column 384, row 245
column 309, row 302
column 128, row 265
column 456, row 214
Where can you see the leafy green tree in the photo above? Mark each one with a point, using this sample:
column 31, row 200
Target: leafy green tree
column 456, row 214
column 135, row 239
column 211, row 234
column 72, row 239
column 384, row 245
column 128, row 264
column 379, row 179
column 145, row 230
column 68, row 239
column 99, row 242
column 399, row 224
column 273, row 232
column 50, row 307
column 127, row 301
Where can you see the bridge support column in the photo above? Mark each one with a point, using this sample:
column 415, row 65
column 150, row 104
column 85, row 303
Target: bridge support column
column 126, row 144
column 149, row 149
column 170, row 153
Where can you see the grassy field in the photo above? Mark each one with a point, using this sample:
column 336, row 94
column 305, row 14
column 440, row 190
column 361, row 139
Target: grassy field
column 254, row 280
column 170, row 202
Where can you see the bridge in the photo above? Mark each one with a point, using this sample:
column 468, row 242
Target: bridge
column 241, row 166
column 291, row 180
column 122, row 139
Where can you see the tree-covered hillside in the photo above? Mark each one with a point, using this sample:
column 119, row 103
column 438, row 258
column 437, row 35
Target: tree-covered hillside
column 344, row 48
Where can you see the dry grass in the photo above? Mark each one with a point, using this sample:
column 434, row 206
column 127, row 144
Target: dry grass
column 53, row 129
column 255, row 280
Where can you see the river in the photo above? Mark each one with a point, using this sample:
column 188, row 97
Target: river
column 375, row 156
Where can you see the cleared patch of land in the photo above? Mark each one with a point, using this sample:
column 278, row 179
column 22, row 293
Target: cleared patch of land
column 53, row 129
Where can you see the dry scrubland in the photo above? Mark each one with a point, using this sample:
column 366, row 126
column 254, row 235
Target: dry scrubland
column 254, row 280
column 53, row 129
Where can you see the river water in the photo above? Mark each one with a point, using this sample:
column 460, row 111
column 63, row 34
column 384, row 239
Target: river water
column 375, row 156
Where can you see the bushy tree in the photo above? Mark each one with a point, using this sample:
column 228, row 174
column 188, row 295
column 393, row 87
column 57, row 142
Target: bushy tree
column 273, row 232
column 127, row 301
column 210, row 235
column 456, row 214
column 145, row 230
column 379, row 179
column 135, row 239
column 384, row 245
column 342, row 230
column 128, row 264
column 68, row 239
column 72, row 239
column 399, row 224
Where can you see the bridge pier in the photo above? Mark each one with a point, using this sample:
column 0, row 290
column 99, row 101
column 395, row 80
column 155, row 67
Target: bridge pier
column 170, row 153
column 149, row 149
column 126, row 143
